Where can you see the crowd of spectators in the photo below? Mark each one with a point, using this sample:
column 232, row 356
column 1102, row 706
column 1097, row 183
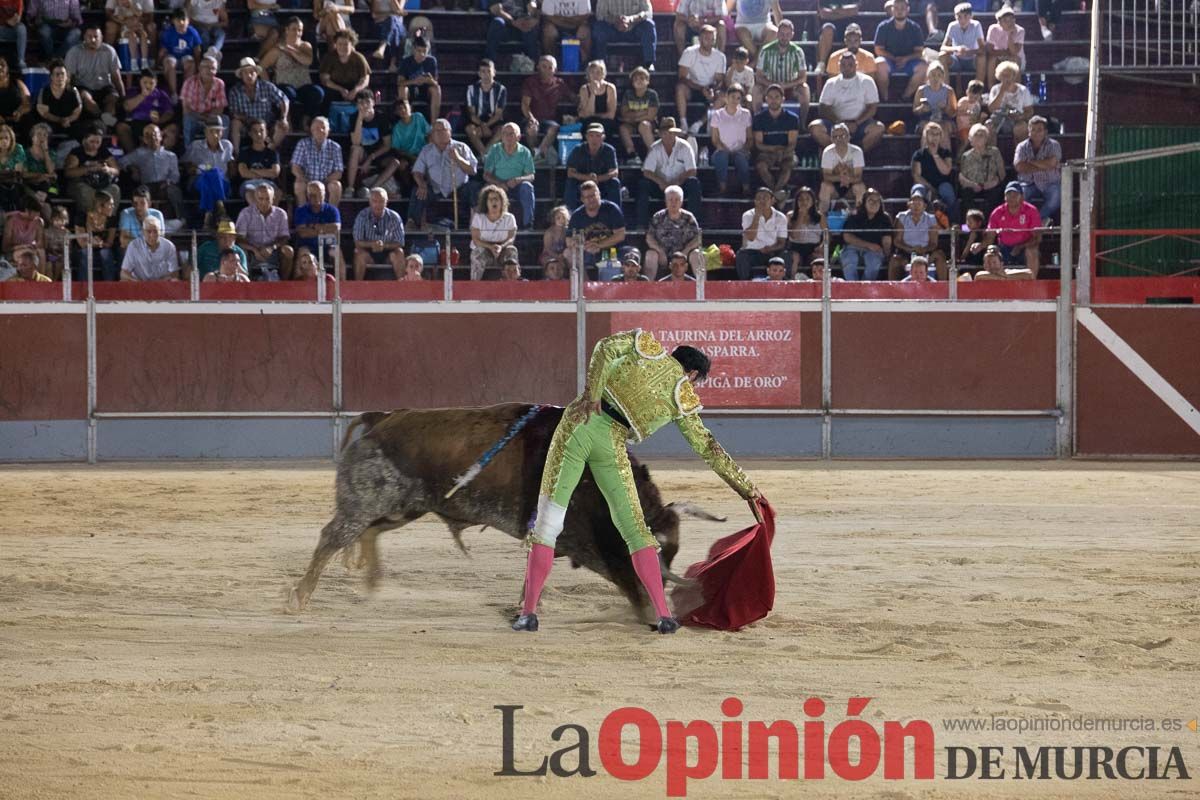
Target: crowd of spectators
column 151, row 140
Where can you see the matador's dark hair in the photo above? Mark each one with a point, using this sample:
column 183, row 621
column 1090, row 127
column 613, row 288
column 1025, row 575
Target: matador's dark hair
column 692, row 359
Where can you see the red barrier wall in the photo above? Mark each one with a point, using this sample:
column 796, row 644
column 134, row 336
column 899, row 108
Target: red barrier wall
column 43, row 366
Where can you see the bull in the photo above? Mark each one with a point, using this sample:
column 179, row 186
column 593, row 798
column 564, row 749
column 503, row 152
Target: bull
column 405, row 462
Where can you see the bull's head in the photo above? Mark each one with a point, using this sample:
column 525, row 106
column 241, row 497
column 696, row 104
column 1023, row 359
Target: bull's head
column 662, row 520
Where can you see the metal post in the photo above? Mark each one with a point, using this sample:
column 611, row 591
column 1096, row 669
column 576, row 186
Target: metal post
column 580, row 277
column 1086, row 196
column 91, row 360
column 953, row 275
column 194, row 272
column 701, row 280
column 336, row 325
column 1065, row 326
column 66, row 276
column 448, row 273
column 826, row 356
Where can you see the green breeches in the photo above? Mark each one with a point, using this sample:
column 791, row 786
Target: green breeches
column 598, row 444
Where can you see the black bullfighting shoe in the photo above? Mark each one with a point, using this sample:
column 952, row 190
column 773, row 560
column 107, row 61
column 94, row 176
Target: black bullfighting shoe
column 667, row 625
column 526, row 622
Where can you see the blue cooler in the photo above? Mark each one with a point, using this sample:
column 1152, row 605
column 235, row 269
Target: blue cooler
column 567, row 143
column 412, row 5
column 36, row 79
column 570, row 55
column 123, row 54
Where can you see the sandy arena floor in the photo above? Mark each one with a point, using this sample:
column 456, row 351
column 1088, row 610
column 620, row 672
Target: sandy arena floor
column 144, row 652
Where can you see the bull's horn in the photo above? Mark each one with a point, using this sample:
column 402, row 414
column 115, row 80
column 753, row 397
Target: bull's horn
column 673, row 578
column 692, row 510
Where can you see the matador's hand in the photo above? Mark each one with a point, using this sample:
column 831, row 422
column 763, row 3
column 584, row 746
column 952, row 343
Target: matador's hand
column 581, row 410
column 753, row 501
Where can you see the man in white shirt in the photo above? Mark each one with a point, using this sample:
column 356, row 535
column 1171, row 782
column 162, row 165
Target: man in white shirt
column 701, row 73
column 670, row 161
column 152, row 257
column 852, row 99
column 764, row 234
column 841, row 169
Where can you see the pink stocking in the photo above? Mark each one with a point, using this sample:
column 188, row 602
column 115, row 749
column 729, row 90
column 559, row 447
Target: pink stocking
column 537, row 570
column 645, row 564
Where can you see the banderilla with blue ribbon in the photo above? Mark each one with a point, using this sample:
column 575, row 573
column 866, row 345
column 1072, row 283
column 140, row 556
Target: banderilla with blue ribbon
column 474, row 470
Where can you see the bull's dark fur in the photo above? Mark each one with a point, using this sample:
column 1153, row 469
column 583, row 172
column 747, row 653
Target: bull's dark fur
column 406, row 461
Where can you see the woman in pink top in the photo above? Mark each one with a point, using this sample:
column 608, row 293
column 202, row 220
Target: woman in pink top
column 25, row 228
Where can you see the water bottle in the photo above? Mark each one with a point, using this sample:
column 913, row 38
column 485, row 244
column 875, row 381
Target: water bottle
column 703, row 157
column 1029, row 82
column 804, row 36
column 1042, row 88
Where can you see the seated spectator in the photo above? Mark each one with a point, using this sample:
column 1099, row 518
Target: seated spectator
column 1005, row 41
column 806, row 229
column 918, row 271
column 369, row 127
column 729, row 129
column 513, row 19
column 100, row 239
column 836, row 18
column 899, row 43
column 693, row 16
column 670, row 161
column 568, row 16
column 781, row 63
column 25, row 229
column 291, row 59
column 701, row 76
column 258, row 164
column 1009, row 103
column 756, row 22
column 764, row 234
column 229, row 269
column 179, row 45
column 598, row 100
column 417, row 80
column 673, row 230
column 316, row 219
column 256, row 98
column 332, row 18
column 203, row 99
column 639, row 113
column 553, row 270
column 12, row 29
column 624, row 21
column 935, row 102
column 964, row 48
column 307, row 268
column 554, row 238
column 12, row 164
column 485, row 108
column 916, row 234
column 146, row 104
column 262, row 230
column 443, row 167
column 981, row 172
column 57, row 241
column 740, row 73
column 595, row 161
column 864, row 57
column 1015, row 225
column 378, row 237
column 133, row 20
column 867, row 238
column 540, row 95
column 210, row 255
column 510, row 270
column 776, row 270
column 156, row 168
column 264, row 25
column 39, row 174
column 972, row 246
column 59, row 104
column 818, row 274
column 58, row 25
column 850, row 98
column 677, row 267
column 27, row 262
column 631, row 267
column 493, row 231
column 970, row 113
column 933, row 167
column 209, row 159
column 1038, row 161
column 91, row 168
column 409, row 135
column 1049, row 13
column 95, row 68
column 414, row 265
column 775, row 132
column 599, row 221
column 15, row 104
column 994, row 269
column 344, row 71
column 210, row 20
column 129, row 223
column 318, row 158
column 842, row 167
column 152, row 257
column 509, row 165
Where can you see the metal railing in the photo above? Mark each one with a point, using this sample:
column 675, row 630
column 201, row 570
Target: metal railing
column 1152, row 35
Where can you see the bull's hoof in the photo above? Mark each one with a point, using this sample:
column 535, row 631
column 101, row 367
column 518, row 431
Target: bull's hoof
column 295, row 601
column 666, row 625
column 526, row 622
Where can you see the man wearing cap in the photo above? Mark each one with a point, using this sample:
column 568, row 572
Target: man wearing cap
column 899, row 42
column 624, row 21
column 596, row 161
column 1015, row 226
column 211, row 251
column 916, row 233
column 203, row 99
column 670, row 161
column 599, row 221
column 764, row 234
column 701, row 74
column 963, row 49
column 155, row 168
column 677, row 266
column 776, row 270
column 129, row 223
column 94, row 65
column 850, row 98
column 864, row 57
column 378, row 236
column 318, row 158
column 255, row 97
column 1038, row 161
column 510, row 270
column 209, row 159
column 775, row 133
column 509, row 165
column 781, row 63
column 553, row 269
column 631, row 267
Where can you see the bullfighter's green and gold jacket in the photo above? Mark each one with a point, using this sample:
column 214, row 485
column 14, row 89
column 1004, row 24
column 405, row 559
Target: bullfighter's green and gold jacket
column 635, row 373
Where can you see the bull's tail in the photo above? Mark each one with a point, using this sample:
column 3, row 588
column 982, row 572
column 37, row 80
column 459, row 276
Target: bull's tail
column 369, row 418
